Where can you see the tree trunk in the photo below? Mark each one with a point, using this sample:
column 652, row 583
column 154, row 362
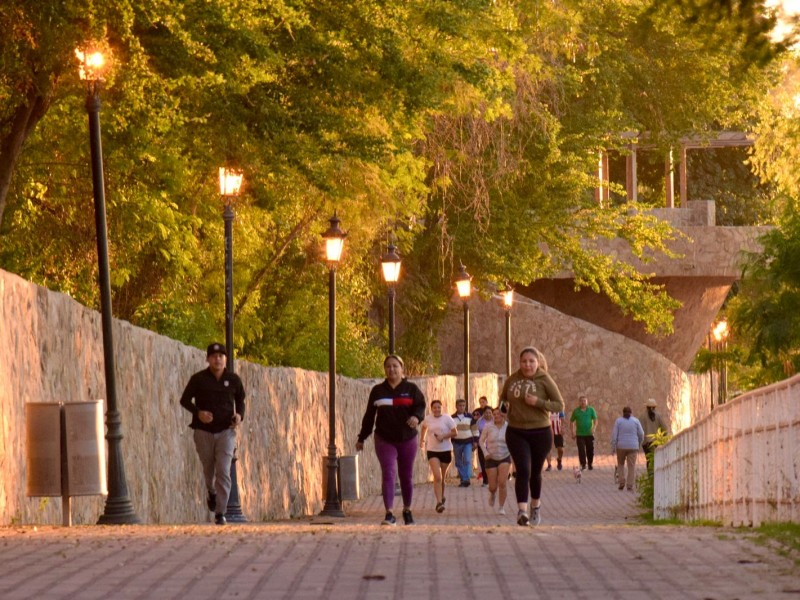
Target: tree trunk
column 24, row 119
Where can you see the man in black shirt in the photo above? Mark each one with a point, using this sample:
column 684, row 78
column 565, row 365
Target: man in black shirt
column 215, row 397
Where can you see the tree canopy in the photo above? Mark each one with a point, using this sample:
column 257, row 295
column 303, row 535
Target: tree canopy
column 469, row 130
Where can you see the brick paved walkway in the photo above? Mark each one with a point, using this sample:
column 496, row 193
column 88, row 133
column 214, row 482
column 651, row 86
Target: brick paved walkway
column 588, row 546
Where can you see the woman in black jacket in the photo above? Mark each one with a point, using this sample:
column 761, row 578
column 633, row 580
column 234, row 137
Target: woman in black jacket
column 395, row 409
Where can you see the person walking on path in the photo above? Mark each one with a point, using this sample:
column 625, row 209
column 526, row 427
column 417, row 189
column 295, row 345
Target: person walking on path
column 498, row 458
column 215, row 397
column 651, row 422
column 462, row 443
column 626, row 437
column 583, row 423
column 435, row 438
column 528, row 397
column 557, row 423
column 395, row 408
column 481, row 416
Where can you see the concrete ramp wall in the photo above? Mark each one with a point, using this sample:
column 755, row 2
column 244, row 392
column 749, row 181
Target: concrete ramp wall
column 610, row 369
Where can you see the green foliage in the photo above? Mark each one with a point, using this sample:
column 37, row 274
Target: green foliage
column 724, row 175
column 644, row 483
column 783, row 537
column 644, row 487
column 762, row 310
column 747, row 22
column 766, row 309
column 471, row 129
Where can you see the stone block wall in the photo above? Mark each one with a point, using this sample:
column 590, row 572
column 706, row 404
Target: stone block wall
column 55, row 353
column 695, row 213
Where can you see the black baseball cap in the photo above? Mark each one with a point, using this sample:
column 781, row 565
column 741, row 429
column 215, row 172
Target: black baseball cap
column 216, row 348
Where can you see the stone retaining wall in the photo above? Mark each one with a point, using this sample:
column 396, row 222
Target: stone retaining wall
column 54, row 352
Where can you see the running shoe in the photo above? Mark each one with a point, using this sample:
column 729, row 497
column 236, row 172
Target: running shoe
column 389, row 519
column 408, row 518
column 501, row 510
column 536, row 518
column 522, row 519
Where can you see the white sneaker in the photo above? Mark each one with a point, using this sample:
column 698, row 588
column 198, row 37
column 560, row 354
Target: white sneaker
column 536, row 518
column 491, row 498
column 501, row 510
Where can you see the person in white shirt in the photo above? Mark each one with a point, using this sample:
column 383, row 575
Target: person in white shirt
column 462, row 443
column 497, row 457
column 437, row 432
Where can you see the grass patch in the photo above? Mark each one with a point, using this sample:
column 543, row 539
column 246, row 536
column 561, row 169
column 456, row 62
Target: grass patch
column 784, row 538
column 647, row 519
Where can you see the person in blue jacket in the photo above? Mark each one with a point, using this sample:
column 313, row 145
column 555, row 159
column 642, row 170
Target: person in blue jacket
column 626, row 437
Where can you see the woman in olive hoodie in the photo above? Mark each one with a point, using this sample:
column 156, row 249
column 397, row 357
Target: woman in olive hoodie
column 529, row 396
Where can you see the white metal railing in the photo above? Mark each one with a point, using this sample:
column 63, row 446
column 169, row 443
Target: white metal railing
column 740, row 465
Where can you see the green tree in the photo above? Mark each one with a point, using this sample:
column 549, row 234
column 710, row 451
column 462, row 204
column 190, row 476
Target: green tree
column 320, row 102
column 471, row 128
column 763, row 311
column 766, row 311
column 512, row 194
column 726, row 176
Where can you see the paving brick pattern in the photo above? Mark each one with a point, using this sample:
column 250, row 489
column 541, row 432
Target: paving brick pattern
column 590, row 545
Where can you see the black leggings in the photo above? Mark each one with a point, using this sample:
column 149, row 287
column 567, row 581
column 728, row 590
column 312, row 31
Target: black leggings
column 529, row 449
column 482, row 463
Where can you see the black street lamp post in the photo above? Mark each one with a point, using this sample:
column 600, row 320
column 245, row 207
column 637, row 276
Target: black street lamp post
column 710, row 344
column 464, row 287
column 720, row 333
column 230, row 184
column 508, row 302
column 391, row 274
column 390, row 264
column 334, row 243
column 119, row 508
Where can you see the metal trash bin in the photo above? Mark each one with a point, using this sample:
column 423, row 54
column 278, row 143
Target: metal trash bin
column 349, row 488
column 86, row 448
column 43, row 448
column 66, row 451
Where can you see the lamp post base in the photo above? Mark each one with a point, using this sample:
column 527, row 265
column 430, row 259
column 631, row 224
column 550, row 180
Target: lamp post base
column 333, row 505
column 335, row 511
column 119, row 511
column 234, row 513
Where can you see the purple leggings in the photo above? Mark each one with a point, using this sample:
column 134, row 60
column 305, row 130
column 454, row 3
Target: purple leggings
column 394, row 457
